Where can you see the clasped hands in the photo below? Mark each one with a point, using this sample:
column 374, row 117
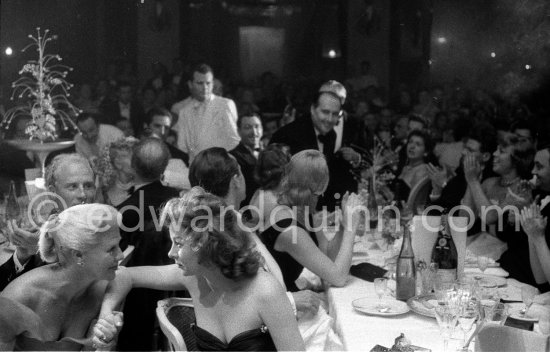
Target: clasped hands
column 106, row 330
column 532, row 221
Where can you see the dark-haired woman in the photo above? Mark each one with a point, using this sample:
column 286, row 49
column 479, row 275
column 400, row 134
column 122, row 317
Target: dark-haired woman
column 238, row 305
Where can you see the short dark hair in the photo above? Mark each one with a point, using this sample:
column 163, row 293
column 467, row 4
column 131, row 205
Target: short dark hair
column 521, row 157
column 428, row 145
column 149, row 158
column 123, row 83
column 418, row 118
column 200, row 68
column 242, row 117
column 212, row 169
column 86, row 115
column 157, row 112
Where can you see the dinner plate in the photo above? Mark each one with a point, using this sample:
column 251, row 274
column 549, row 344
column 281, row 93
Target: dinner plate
column 514, row 312
column 423, row 304
column 371, row 306
column 488, row 280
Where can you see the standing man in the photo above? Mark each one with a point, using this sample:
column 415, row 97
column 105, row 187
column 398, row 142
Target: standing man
column 317, row 132
column 208, row 120
column 125, row 107
column 247, row 151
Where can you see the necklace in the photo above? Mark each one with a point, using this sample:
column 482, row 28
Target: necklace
column 506, row 183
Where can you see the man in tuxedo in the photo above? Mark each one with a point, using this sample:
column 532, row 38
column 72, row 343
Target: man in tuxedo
column 247, row 151
column 141, row 228
column 318, row 132
column 125, row 107
column 72, row 179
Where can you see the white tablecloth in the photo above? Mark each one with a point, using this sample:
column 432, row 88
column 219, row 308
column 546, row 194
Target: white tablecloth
column 361, row 332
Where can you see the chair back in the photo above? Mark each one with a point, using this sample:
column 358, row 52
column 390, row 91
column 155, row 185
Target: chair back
column 418, row 196
column 504, row 338
column 424, row 235
column 175, row 316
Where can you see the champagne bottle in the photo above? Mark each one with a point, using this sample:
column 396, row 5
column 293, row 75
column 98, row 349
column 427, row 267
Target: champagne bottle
column 444, row 253
column 406, row 271
column 13, row 211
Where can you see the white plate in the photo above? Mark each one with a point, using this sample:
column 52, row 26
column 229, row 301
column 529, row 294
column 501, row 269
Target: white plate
column 514, row 312
column 372, row 306
column 488, row 280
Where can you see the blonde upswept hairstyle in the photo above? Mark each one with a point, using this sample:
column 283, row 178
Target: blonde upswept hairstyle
column 80, row 227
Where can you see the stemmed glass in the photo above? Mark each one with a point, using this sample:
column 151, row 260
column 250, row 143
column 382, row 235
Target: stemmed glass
column 446, row 319
column 380, row 286
column 528, row 294
column 467, row 315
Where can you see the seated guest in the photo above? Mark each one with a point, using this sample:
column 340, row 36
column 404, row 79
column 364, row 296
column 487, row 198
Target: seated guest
column 289, row 237
column 512, row 164
column 534, row 221
column 71, row 178
column 140, row 228
column 158, row 122
column 269, row 173
column 93, row 135
column 114, row 168
column 247, row 151
column 419, row 154
column 447, row 192
column 215, row 170
column 52, row 307
column 238, row 306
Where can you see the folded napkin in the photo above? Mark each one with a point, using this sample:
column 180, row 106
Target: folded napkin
column 367, row 271
column 489, row 271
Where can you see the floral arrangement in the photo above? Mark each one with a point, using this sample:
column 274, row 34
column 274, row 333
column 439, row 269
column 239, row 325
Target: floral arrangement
column 43, row 83
column 377, row 167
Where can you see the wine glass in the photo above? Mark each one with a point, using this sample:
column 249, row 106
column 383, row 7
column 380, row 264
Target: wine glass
column 380, row 286
column 482, row 263
column 446, row 318
column 467, row 316
column 528, row 294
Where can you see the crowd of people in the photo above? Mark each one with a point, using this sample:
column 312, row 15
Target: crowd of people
column 254, row 209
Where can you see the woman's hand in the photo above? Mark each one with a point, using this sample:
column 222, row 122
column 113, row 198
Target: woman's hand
column 532, row 222
column 351, row 204
column 472, row 168
column 106, row 330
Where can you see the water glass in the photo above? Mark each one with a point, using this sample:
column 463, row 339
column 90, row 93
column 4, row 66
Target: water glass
column 467, row 316
column 380, row 286
column 496, row 313
column 446, row 319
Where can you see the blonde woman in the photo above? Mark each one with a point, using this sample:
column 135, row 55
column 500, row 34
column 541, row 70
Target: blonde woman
column 53, row 307
column 289, row 235
column 115, row 170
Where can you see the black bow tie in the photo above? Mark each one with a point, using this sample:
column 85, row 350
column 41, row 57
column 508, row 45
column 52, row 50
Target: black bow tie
column 328, row 140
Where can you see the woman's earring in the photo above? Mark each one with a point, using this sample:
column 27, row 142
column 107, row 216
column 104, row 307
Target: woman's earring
column 80, row 262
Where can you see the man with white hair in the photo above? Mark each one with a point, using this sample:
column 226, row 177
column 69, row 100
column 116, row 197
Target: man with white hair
column 71, row 178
